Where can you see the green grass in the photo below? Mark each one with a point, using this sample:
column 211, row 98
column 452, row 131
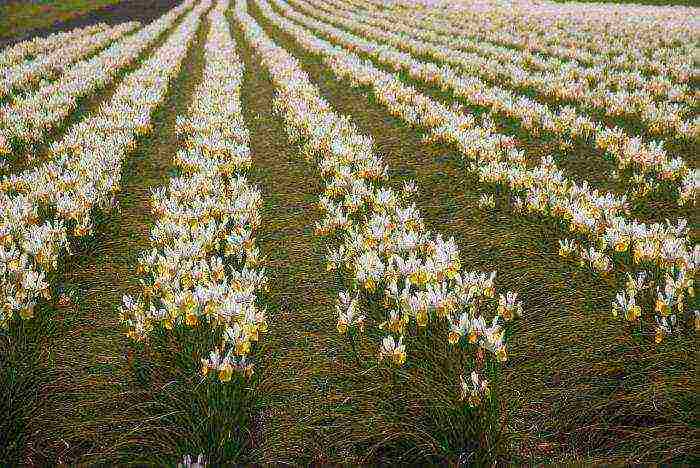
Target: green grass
column 18, row 17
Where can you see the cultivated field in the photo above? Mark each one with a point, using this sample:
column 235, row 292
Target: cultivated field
column 350, row 232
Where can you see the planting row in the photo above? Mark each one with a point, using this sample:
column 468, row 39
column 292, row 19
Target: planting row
column 398, row 275
column 27, row 119
column 41, row 210
column 650, row 167
column 659, row 258
column 41, row 45
column 203, row 264
column 23, row 76
column 654, row 40
column 573, row 77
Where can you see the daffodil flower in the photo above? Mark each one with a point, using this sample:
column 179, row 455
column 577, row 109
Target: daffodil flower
column 393, row 350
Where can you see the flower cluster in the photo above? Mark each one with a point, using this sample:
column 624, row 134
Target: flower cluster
column 83, row 178
column 392, row 264
column 33, row 48
column 665, row 117
column 202, row 267
column 27, row 119
column 649, row 163
column 598, row 221
column 27, row 74
column 571, row 73
column 652, row 40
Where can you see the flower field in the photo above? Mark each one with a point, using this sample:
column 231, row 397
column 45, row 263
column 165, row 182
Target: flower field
column 352, row 232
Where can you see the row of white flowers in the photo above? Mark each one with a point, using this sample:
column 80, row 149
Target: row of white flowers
column 650, row 165
column 202, row 267
column 632, row 95
column 41, row 209
column 392, row 265
column 566, row 71
column 662, row 254
column 27, row 119
column 654, row 40
column 33, row 48
column 23, row 76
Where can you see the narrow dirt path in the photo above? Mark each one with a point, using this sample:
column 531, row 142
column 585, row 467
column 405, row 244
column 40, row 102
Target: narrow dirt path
column 543, row 376
column 311, row 407
column 87, row 411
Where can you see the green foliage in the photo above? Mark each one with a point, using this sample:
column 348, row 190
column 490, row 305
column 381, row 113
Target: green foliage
column 18, row 17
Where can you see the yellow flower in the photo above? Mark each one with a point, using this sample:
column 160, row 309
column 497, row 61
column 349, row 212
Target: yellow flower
column 419, row 277
column 659, row 336
column 225, row 372
column 191, row 319
column 453, row 337
column 501, row 354
column 422, row 317
column 80, row 231
column 395, row 350
column 633, row 313
column 210, row 308
column 27, row 312
column 342, row 326
column 453, row 270
column 661, row 307
column 248, row 371
column 621, row 245
column 242, row 347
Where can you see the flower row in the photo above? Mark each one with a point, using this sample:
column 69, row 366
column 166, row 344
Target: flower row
column 83, row 178
column 649, row 162
column 588, row 85
column 27, row 119
column 202, row 267
column 33, row 48
column 393, row 266
column 656, row 41
column 597, row 221
column 24, row 76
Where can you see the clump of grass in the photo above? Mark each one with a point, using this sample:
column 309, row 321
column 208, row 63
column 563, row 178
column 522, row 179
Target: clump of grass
column 25, row 365
column 187, row 413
